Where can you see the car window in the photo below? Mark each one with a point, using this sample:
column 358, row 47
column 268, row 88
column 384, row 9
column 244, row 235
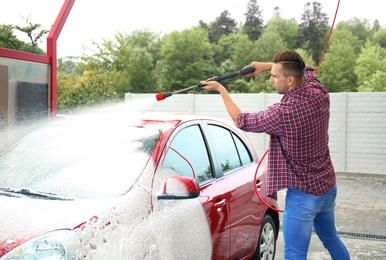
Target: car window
column 230, row 150
column 188, row 155
column 244, row 153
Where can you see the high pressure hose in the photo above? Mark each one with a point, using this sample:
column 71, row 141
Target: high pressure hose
column 262, row 158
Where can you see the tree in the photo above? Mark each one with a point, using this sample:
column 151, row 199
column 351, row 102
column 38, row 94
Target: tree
column 268, row 45
column 128, row 61
column 7, row 38
column 236, row 47
column 276, row 12
column 369, row 62
column 376, row 26
column 225, row 47
column 360, row 28
column 337, row 69
column 223, row 25
column 253, row 25
column 314, row 28
column 30, row 30
column 288, row 29
column 10, row 41
column 186, row 58
column 235, row 50
column 69, row 71
column 379, row 38
column 91, row 88
column 115, row 68
column 377, row 83
column 261, row 84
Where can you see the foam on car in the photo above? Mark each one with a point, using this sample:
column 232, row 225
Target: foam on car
column 139, row 228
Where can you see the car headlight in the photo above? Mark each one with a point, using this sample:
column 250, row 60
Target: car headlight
column 56, row 245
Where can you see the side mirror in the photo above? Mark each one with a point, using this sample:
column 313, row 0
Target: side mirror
column 180, row 187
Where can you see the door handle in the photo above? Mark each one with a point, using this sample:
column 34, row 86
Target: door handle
column 218, row 205
column 259, row 184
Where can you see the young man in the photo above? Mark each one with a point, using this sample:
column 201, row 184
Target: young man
column 299, row 156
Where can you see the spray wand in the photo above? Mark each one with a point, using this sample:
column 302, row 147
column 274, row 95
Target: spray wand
column 242, row 72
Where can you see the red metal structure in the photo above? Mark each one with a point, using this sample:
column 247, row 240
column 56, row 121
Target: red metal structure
column 50, row 58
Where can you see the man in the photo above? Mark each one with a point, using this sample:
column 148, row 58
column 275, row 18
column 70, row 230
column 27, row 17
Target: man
column 299, row 157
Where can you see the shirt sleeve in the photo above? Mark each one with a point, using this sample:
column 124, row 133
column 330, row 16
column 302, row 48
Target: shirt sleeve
column 267, row 121
column 309, row 75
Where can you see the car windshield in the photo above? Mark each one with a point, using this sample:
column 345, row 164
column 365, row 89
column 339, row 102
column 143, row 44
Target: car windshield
column 83, row 161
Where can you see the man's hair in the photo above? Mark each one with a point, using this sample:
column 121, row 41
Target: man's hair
column 292, row 64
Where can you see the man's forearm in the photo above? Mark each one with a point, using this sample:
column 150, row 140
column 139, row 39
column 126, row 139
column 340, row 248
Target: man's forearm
column 232, row 108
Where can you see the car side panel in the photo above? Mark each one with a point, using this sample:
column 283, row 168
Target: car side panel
column 246, row 211
column 215, row 201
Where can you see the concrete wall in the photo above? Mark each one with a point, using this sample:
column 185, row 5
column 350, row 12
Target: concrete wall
column 357, row 124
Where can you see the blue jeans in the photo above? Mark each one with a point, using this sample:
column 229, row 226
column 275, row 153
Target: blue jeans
column 303, row 212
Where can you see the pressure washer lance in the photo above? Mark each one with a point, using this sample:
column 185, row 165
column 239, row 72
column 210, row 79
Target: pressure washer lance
column 242, row 72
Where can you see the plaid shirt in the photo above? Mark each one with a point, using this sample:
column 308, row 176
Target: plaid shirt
column 298, row 155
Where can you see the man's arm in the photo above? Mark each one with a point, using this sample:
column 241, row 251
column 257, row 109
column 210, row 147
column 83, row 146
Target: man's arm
column 231, row 106
column 260, row 67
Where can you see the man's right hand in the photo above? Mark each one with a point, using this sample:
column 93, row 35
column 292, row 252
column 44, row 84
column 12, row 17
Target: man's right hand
column 259, row 67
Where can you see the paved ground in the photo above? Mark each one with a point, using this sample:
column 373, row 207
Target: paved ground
column 360, row 217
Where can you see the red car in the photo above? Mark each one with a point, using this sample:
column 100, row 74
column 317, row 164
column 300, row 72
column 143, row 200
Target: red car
column 134, row 186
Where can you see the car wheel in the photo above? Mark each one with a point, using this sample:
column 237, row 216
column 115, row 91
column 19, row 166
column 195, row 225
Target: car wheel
column 266, row 245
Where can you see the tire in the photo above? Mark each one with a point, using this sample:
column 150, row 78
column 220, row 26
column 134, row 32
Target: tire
column 266, row 244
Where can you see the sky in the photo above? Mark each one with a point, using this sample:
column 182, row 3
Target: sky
column 95, row 20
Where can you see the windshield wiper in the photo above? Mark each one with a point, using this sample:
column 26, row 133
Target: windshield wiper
column 34, row 194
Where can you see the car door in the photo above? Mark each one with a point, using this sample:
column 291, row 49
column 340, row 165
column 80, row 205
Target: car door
column 238, row 168
column 189, row 155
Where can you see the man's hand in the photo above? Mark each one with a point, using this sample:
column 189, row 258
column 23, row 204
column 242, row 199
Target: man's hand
column 212, row 85
column 259, row 67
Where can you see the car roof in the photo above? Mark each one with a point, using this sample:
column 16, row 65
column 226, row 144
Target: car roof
column 176, row 118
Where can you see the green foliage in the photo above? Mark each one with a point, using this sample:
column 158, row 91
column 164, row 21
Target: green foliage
column 379, row 37
column 360, row 28
column 7, row 38
column 268, row 44
column 288, row 30
column 261, row 84
column 337, row 69
column 377, row 83
column 243, row 51
column 30, row 30
column 10, row 41
column 253, row 26
column 314, row 28
column 223, row 25
column 368, row 62
column 186, row 58
column 128, row 61
column 91, row 89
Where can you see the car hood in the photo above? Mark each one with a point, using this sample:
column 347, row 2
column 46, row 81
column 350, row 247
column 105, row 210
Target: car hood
column 22, row 219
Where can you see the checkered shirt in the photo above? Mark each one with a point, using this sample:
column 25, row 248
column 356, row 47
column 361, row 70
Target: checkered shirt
column 298, row 155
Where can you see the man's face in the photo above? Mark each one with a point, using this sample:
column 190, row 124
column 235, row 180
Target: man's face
column 279, row 80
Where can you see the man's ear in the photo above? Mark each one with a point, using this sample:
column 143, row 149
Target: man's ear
column 291, row 80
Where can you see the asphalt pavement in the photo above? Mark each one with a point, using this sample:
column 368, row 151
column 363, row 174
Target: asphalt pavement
column 360, row 218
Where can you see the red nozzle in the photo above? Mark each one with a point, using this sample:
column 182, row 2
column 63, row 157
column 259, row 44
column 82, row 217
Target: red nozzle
column 162, row 95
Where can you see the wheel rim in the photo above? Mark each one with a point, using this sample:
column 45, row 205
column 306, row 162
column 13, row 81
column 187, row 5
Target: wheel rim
column 267, row 242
